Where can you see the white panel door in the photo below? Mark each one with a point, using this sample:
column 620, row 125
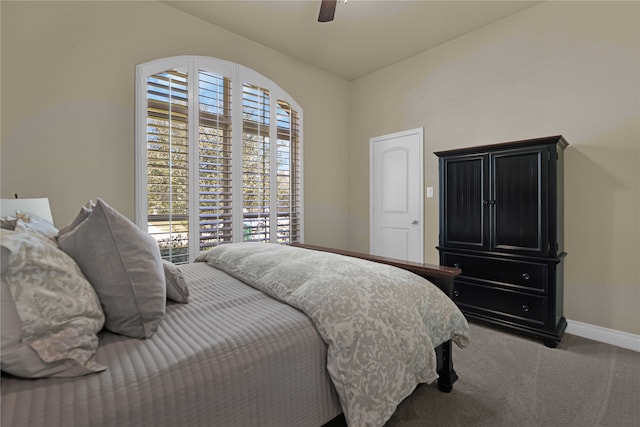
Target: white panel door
column 396, row 195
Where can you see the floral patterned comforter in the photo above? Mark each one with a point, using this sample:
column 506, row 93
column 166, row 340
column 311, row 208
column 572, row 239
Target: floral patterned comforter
column 381, row 323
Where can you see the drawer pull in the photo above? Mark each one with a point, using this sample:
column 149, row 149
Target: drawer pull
column 526, row 308
column 456, row 294
column 526, row 276
column 457, row 265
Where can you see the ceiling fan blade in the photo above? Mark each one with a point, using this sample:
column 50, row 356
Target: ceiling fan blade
column 327, row 10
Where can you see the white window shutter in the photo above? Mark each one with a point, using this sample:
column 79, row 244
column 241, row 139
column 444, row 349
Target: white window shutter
column 217, row 159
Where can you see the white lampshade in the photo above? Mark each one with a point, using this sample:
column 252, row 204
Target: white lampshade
column 40, row 207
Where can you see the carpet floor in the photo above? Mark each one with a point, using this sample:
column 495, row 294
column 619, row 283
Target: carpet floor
column 507, row 380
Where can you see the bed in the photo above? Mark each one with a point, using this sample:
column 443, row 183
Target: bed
column 240, row 353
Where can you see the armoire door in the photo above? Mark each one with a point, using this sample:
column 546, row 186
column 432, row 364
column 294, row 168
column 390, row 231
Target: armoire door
column 518, row 201
column 464, row 189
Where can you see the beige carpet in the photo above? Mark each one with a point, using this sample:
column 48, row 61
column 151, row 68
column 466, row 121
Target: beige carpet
column 509, row 380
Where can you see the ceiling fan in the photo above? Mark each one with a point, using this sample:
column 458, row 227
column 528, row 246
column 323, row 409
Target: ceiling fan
column 327, row 10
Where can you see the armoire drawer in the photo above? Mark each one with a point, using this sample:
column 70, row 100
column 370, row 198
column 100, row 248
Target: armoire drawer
column 503, row 302
column 524, row 274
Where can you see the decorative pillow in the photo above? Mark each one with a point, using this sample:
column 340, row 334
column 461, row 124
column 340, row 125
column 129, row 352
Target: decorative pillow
column 124, row 266
column 82, row 215
column 177, row 289
column 33, row 222
column 50, row 313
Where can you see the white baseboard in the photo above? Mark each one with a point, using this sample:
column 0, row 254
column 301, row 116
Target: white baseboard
column 605, row 335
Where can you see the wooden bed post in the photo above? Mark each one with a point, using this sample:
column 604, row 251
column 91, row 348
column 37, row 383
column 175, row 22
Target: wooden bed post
column 446, row 374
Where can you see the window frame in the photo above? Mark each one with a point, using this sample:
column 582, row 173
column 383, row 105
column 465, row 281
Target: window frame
column 239, row 75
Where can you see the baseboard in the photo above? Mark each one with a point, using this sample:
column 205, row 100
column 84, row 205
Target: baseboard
column 605, row 335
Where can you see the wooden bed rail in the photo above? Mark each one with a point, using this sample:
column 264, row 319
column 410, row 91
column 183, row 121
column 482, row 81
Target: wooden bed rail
column 439, row 275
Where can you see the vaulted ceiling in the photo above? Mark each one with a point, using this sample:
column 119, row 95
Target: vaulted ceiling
column 365, row 35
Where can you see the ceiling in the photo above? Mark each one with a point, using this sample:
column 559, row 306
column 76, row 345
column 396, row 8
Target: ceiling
column 365, row 35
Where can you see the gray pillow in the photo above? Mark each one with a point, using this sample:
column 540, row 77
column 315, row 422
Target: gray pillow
column 82, row 215
column 50, row 314
column 124, row 266
column 177, row 289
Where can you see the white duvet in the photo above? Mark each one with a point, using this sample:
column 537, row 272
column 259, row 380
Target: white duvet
column 381, row 323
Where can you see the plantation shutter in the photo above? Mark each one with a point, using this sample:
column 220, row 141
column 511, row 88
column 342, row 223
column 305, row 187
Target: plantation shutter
column 167, row 163
column 256, row 163
column 211, row 164
column 215, row 160
column 288, row 174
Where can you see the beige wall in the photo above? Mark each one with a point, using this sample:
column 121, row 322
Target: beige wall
column 569, row 68
column 67, row 98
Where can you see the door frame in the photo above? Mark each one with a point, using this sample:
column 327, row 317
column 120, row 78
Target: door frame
column 420, row 191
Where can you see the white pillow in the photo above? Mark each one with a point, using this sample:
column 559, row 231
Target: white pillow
column 35, row 223
column 26, row 220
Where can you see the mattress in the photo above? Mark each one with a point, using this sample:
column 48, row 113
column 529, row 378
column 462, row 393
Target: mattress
column 232, row 356
column 381, row 323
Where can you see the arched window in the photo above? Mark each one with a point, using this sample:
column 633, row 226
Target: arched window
column 218, row 156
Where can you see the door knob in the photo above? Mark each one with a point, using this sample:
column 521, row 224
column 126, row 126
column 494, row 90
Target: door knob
column 414, row 222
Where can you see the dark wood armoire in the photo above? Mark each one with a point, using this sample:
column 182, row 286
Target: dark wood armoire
column 501, row 222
